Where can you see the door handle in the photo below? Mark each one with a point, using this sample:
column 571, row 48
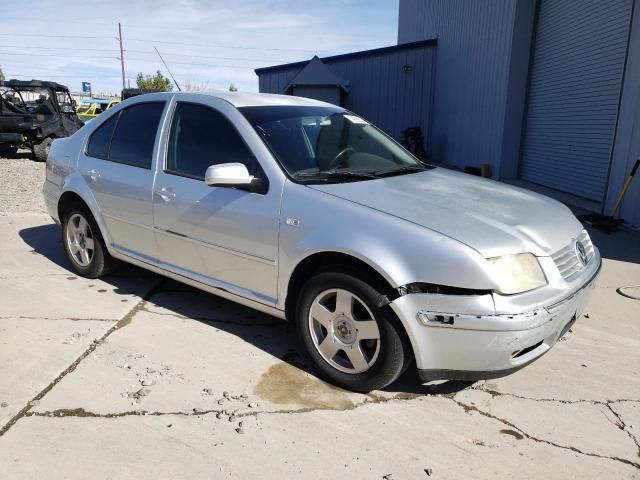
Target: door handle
column 93, row 174
column 166, row 193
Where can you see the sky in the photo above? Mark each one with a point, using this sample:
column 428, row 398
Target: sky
column 210, row 43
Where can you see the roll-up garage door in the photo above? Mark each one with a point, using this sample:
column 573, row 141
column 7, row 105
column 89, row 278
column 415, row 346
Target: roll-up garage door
column 574, row 90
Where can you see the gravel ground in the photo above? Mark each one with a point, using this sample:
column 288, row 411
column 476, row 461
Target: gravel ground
column 21, row 181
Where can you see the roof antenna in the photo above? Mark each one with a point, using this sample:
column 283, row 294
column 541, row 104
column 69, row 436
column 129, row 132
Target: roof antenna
column 166, row 66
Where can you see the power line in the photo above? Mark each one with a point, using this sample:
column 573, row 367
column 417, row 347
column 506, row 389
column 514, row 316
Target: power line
column 219, row 45
column 60, row 48
column 208, row 45
column 57, row 55
column 144, row 52
column 52, row 36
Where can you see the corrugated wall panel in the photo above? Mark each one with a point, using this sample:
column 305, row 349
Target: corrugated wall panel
column 627, row 143
column 472, row 83
column 381, row 88
column 574, row 92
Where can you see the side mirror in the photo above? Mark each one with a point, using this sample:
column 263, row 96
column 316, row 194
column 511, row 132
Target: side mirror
column 228, row 175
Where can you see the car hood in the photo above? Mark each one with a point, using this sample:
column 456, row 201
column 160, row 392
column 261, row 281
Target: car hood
column 489, row 216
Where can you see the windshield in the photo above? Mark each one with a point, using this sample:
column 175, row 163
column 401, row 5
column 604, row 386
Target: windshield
column 328, row 143
column 25, row 100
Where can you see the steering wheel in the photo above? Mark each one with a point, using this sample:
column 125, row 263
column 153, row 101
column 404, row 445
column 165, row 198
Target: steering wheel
column 15, row 98
column 337, row 159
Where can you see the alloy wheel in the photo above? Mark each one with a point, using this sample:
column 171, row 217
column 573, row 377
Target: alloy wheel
column 344, row 331
column 80, row 240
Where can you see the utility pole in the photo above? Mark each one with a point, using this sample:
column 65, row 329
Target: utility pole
column 121, row 54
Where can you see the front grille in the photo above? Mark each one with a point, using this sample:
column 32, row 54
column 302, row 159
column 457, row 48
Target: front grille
column 566, row 259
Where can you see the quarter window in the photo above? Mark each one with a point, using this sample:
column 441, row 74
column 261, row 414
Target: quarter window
column 201, row 137
column 99, row 142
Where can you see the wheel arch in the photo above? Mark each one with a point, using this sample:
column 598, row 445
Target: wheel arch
column 70, row 197
column 337, row 262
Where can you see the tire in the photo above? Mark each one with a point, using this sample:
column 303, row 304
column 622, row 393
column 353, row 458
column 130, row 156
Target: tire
column 41, row 150
column 79, row 233
column 334, row 311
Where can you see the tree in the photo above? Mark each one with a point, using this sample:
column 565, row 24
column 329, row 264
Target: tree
column 1, row 75
column 156, row 82
column 232, row 88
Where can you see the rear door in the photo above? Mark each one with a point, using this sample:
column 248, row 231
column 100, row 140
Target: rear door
column 118, row 165
column 224, row 237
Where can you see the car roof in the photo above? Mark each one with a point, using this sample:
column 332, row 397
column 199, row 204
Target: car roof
column 238, row 99
column 32, row 83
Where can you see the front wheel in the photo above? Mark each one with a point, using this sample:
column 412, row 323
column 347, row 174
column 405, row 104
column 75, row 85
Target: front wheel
column 352, row 342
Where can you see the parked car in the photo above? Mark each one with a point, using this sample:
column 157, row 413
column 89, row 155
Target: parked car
column 305, row 211
column 92, row 107
column 33, row 113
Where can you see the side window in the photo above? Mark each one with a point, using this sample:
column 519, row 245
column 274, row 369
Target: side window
column 99, row 142
column 201, row 137
column 135, row 134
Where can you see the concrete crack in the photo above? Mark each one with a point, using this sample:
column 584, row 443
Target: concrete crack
column 371, row 399
column 495, row 393
column 620, row 423
column 96, row 342
column 472, row 408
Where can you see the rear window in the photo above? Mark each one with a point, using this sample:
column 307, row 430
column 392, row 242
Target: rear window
column 129, row 136
column 135, row 134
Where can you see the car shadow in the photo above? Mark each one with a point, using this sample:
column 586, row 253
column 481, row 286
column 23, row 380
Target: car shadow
column 272, row 335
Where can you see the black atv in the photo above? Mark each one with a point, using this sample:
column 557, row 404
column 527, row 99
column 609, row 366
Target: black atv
column 32, row 114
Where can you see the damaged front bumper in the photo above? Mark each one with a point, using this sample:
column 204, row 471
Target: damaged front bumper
column 461, row 337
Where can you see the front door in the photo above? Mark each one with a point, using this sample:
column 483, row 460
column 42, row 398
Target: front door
column 117, row 166
column 224, row 237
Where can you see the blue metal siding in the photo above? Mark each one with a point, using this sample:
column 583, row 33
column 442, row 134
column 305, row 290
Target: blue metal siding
column 574, row 92
column 627, row 141
column 472, row 81
column 379, row 87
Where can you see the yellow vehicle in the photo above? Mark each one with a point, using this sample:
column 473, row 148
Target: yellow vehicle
column 87, row 110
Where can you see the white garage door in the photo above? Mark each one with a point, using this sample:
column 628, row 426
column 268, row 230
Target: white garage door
column 574, row 91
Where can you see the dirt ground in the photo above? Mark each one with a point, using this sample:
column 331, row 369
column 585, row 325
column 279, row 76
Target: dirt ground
column 136, row 376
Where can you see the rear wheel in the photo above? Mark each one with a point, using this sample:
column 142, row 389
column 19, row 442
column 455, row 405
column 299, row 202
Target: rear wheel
column 41, row 150
column 84, row 245
column 353, row 343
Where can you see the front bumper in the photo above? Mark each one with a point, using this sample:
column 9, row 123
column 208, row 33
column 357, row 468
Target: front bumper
column 480, row 344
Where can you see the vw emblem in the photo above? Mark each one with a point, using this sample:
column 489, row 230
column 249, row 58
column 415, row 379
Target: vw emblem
column 581, row 253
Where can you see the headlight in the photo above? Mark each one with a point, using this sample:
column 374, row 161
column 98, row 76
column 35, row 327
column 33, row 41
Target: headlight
column 517, row 273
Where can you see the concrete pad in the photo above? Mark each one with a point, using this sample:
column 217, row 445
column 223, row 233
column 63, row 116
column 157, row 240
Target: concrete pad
column 586, row 426
column 34, row 352
column 628, row 418
column 49, row 316
column 421, row 438
column 36, row 280
column 184, row 349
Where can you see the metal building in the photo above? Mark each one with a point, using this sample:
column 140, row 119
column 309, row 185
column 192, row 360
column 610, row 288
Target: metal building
column 545, row 91
column 391, row 86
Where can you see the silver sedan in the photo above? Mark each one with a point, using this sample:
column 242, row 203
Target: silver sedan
column 303, row 210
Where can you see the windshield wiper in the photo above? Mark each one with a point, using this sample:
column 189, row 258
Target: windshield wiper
column 335, row 175
column 399, row 170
